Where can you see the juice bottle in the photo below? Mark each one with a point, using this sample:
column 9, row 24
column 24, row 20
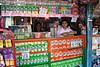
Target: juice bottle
column 21, row 46
column 49, row 9
column 47, row 59
column 42, row 58
column 11, row 59
column 64, row 43
column 25, row 46
column 17, row 61
column 31, row 59
column 21, row 61
column 39, row 46
column 56, row 44
column 52, row 45
column 68, row 43
column 35, row 58
column 60, row 44
column 9, row 41
column 25, row 62
column 6, row 59
column 39, row 58
column 35, row 46
column 45, row 45
column 52, row 56
column 1, row 44
column 28, row 46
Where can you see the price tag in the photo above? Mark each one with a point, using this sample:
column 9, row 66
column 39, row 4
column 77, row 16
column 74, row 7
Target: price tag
column 98, row 52
column 25, row 55
column 74, row 19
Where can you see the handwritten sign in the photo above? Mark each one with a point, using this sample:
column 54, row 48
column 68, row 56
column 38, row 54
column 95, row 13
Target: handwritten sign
column 74, row 19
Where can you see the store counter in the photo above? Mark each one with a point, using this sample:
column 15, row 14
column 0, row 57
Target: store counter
column 51, row 51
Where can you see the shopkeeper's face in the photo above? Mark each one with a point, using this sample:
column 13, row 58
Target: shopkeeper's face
column 38, row 26
column 64, row 24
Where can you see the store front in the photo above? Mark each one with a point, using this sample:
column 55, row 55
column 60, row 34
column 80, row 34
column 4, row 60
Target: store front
column 50, row 33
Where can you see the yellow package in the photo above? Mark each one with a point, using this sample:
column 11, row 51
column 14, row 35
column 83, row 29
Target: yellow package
column 11, row 62
column 1, row 45
column 7, row 62
column 7, row 44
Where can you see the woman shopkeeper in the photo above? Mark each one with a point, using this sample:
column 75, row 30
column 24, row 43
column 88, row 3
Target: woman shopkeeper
column 64, row 30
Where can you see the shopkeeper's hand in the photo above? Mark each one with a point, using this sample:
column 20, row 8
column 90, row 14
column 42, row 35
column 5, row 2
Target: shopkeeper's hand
column 64, row 34
column 67, row 33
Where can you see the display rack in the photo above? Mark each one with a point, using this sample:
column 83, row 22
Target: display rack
column 7, row 49
column 66, row 51
column 96, row 50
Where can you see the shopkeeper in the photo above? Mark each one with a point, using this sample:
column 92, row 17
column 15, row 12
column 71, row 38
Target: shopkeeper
column 64, row 30
column 38, row 27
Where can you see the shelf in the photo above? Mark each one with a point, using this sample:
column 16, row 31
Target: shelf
column 36, row 2
column 33, row 52
column 65, row 59
column 47, row 63
column 46, row 39
column 67, row 48
column 96, row 35
column 9, row 13
column 5, row 47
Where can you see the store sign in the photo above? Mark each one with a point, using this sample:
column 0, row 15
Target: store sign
column 25, row 55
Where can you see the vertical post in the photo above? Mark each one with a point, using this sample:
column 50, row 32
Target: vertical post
column 30, row 20
column 89, row 37
column 0, row 15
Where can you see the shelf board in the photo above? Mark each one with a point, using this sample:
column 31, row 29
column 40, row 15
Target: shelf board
column 65, row 59
column 34, row 64
column 46, row 39
column 67, row 48
column 33, row 52
column 96, row 35
column 9, row 13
